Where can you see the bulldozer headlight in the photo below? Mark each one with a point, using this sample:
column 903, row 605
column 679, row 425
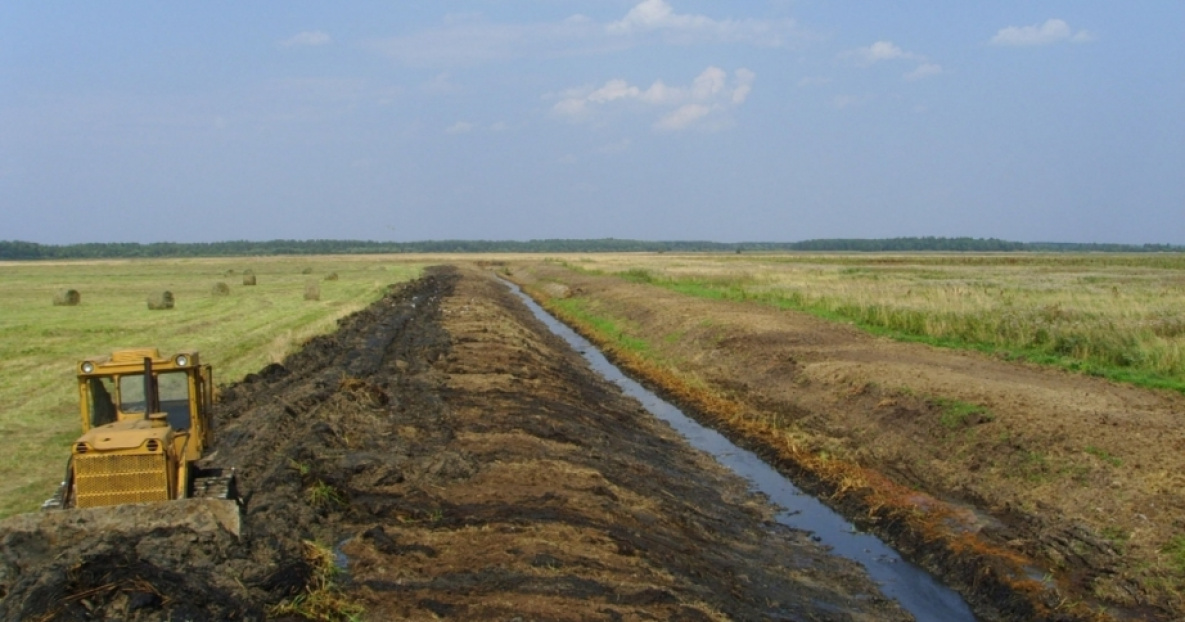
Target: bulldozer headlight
column 88, row 367
column 181, row 360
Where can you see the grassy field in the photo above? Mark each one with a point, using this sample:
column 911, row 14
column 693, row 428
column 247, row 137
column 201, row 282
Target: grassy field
column 238, row 333
column 1119, row 316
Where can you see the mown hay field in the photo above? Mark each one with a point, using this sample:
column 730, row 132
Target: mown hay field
column 1121, row 316
column 238, row 332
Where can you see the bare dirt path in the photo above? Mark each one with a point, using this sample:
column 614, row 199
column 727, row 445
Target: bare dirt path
column 1082, row 478
column 468, row 466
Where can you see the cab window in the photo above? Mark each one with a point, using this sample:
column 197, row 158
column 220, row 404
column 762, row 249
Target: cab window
column 172, row 389
column 100, row 406
column 131, row 393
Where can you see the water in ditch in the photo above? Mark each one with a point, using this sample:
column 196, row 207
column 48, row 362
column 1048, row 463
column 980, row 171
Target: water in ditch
column 911, row 586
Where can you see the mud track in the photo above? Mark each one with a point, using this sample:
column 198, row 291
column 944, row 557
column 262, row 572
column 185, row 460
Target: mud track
column 466, row 465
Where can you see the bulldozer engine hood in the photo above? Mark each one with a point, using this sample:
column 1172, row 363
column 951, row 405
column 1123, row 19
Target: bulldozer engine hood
column 124, row 435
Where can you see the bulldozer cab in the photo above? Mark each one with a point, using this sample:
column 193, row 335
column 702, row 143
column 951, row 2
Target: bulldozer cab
column 111, row 398
column 145, row 427
column 141, row 384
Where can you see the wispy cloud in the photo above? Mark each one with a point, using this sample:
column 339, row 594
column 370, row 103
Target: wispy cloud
column 470, row 39
column 703, row 104
column 1052, row 31
column 924, row 70
column 883, row 51
column 460, row 127
column 658, row 16
column 877, row 52
column 311, row 38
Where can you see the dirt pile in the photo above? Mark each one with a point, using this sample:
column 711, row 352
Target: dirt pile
column 462, row 463
column 270, row 427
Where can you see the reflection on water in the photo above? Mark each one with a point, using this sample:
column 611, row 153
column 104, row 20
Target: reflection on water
column 915, row 589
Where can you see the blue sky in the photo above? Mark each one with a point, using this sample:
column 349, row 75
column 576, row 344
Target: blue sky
column 767, row 120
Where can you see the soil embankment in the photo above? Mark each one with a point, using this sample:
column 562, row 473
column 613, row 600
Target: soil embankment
column 1047, row 495
column 465, row 464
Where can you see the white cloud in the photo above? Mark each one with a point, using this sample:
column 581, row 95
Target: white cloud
column 745, row 80
column 614, row 90
column 659, row 17
column 470, row 39
column 307, row 39
column 1052, row 31
column 683, row 117
column 460, row 127
column 879, row 51
column 924, row 70
column 709, row 83
column 704, row 103
column 887, row 51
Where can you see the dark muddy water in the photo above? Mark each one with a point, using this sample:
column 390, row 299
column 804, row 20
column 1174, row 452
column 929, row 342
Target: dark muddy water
column 911, row 586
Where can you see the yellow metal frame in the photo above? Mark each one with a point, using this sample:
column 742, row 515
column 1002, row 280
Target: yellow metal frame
column 138, row 458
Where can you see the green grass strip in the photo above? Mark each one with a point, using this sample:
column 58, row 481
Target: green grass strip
column 913, row 330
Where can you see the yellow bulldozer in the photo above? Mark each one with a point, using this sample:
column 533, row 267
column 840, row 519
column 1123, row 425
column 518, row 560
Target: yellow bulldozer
column 146, row 425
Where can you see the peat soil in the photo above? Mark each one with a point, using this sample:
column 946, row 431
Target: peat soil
column 460, row 462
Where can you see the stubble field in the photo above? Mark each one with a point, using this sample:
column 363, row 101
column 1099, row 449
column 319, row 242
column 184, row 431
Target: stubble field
column 1118, row 316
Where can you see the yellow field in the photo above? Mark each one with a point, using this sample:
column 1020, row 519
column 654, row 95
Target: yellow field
column 237, row 333
column 1122, row 316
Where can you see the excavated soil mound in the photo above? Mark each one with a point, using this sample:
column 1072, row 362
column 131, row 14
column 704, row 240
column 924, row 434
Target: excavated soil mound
column 463, row 464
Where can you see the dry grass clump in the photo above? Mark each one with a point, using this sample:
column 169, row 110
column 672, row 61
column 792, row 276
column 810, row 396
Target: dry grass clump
column 306, row 270
column 248, row 277
column 161, row 300
column 322, row 599
column 220, row 289
column 332, row 276
column 312, row 290
column 67, row 298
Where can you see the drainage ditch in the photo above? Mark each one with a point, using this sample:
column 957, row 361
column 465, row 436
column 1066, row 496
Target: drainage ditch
column 915, row 589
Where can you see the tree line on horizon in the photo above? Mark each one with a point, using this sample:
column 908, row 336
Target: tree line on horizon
column 19, row 250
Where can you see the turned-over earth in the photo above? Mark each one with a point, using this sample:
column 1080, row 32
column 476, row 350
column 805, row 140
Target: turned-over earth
column 461, row 463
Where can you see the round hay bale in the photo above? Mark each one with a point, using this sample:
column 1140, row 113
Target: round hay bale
column 220, row 289
column 66, row 298
column 161, row 300
column 557, row 290
column 306, row 270
column 332, row 276
column 248, row 279
column 312, row 290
